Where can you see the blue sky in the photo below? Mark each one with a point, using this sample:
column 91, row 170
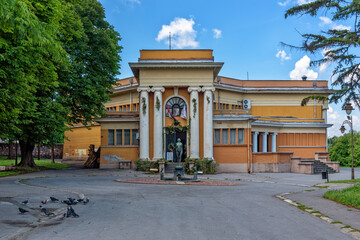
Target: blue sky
column 245, row 35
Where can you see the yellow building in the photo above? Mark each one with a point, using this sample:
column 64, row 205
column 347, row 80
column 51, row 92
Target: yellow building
column 243, row 125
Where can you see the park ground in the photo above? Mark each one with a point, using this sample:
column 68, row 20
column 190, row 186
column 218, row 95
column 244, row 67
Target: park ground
column 117, row 210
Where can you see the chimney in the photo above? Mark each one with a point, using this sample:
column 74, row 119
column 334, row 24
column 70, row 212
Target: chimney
column 304, row 78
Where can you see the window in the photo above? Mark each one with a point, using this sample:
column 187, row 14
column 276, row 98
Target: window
column 232, row 136
column 240, row 136
column 217, row 136
column 119, row 137
column 127, row 137
column 133, row 137
column 111, row 137
column 225, row 136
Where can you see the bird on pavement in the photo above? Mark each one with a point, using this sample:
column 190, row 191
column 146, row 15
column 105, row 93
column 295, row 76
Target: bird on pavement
column 70, row 211
column 86, row 200
column 25, row 202
column 44, row 201
column 44, row 210
column 67, row 202
column 21, row 210
column 53, row 199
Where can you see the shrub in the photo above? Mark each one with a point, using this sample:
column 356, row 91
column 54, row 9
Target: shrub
column 207, row 166
column 145, row 165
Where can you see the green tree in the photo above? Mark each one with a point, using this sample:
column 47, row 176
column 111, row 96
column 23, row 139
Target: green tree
column 53, row 74
column 340, row 149
column 340, row 45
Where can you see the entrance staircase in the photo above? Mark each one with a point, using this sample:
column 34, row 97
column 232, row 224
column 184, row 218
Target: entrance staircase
column 315, row 165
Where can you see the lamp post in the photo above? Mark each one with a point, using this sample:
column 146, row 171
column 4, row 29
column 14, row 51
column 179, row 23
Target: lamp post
column 348, row 108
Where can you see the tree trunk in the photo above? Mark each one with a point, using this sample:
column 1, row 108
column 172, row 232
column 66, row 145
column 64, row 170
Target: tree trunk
column 27, row 159
column 9, row 156
column 52, row 154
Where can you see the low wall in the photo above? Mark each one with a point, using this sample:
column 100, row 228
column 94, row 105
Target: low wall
column 126, row 153
column 301, row 167
column 45, row 152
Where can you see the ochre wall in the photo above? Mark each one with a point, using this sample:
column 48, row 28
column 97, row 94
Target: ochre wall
column 176, row 77
column 205, row 54
column 80, row 139
column 126, row 153
column 231, row 153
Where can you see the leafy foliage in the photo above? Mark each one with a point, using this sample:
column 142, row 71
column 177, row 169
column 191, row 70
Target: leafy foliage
column 59, row 59
column 208, row 166
column 145, row 165
column 340, row 45
column 340, row 149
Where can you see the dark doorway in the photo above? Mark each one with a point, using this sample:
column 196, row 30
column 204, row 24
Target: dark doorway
column 171, row 140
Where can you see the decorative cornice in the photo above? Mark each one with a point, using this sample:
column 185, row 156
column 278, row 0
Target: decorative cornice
column 208, row 88
column 140, row 89
column 161, row 89
column 192, row 89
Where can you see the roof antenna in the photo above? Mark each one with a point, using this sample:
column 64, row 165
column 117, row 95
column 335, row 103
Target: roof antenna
column 169, row 40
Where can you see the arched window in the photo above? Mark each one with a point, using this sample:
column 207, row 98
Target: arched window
column 175, row 105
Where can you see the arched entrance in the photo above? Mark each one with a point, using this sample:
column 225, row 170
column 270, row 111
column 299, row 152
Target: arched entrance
column 176, row 112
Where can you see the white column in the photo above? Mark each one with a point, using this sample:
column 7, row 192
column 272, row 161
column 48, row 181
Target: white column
column 255, row 141
column 144, row 122
column 273, row 142
column 194, row 126
column 158, row 139
column 208, row 122
column 264, row 141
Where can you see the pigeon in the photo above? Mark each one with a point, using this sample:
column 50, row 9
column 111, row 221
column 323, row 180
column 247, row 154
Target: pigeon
column 53, row 199
column 70, row 211
column 21, row 210
column 44, row 201
column 25, row 202
column 73, row 201
column 86, row 200
column 44, row 210
column 67, row 202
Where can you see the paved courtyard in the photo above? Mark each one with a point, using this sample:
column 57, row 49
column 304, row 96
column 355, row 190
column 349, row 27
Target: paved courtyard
column 145, row 211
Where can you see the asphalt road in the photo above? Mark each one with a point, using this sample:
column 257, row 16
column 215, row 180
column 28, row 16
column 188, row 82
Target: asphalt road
column 143, row 211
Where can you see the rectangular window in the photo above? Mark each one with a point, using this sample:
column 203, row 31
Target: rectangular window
column 217, row 136
column 133, row 137
column 232, row 136
column 225, row 136
column 111, row 137
column 119, row 137
column 127, row 137
column 240, row 136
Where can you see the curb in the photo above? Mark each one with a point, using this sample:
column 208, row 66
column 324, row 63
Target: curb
column 355, row 233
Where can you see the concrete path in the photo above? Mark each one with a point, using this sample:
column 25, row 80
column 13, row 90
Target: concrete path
column 138, row 211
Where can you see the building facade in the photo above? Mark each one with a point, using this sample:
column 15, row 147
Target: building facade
column 243, row 125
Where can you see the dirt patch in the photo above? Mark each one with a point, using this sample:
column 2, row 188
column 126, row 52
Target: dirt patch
column 18, row 223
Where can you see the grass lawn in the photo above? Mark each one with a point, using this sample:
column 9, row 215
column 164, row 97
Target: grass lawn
column 348, row 196
column 346, row 181
column 44, row 164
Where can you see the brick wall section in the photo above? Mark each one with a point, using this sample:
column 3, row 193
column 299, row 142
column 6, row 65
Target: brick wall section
column 45, row 152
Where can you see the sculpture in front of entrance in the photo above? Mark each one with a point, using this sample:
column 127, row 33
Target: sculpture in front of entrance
column 179, row 151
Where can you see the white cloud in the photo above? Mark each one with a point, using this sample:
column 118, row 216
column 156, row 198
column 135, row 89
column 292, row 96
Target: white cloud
column 130, row 2
column 283, row 4
column 301, row 2
column 282, row 55
column 327, row 21
column 217, row 33
column 324, row 65
column 182, row 33
column 302, row 68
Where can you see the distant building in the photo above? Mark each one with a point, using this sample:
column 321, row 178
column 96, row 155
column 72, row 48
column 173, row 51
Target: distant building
column 244, row 125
